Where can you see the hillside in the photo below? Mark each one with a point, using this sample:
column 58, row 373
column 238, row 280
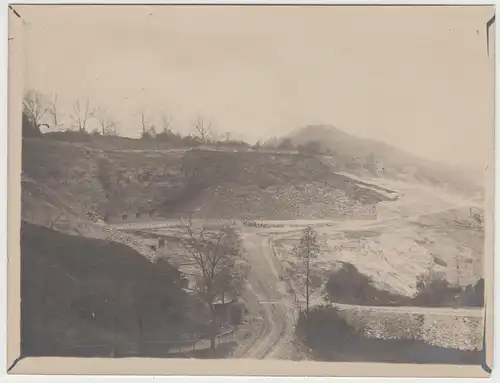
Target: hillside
column 80, row 291
column 364, row 156
column 117, row 184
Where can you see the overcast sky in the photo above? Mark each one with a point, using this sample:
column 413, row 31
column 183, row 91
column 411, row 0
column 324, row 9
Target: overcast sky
column 415, row 77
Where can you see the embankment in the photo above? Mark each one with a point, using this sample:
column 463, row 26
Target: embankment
column 334, row 335
column 78, row 291
column 123, row 185
column 453, row 329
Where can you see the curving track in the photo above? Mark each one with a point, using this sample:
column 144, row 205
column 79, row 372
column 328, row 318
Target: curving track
column 267, row 295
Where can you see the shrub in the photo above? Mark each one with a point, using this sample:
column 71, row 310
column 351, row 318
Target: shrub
column 325, row 328
column 312, row 147
column 473, row 295
column 70, row 136
column 286, row 144
column 434, row 291
column 348, row 285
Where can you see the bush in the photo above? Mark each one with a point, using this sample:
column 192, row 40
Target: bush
column 312, row 147
column 70, row 136
column 286, row 144
column 325, row 328
column 473, row 295
column 347, row 285
column 433, row 291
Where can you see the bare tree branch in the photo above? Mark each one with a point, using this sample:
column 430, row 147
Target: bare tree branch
column 101, row 115
column 212, row 252
column 53, row 112
column 202, row 129
column 167, row 122
column 35, row 107
column 144, row 121
column 81, row 114
column 112, row 127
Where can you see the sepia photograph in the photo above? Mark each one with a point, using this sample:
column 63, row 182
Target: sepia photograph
column 280, row 183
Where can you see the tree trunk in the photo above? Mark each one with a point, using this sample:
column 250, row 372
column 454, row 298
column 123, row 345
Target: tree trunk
column 212, row 329
column 307, row 290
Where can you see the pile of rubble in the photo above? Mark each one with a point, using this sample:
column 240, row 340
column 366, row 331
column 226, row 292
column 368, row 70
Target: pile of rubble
column 307, row 201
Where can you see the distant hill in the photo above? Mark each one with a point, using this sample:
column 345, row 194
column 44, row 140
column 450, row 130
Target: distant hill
column 362, row 156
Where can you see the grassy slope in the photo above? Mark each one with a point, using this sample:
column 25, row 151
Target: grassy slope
column 82, row 291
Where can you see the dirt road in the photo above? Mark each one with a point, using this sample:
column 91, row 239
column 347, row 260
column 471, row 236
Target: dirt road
column 268, row 295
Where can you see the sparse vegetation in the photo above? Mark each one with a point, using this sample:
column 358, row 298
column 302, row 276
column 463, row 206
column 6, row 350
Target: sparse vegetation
column 35, row 107
column 347, row 285
column 438, row 292
column 80, row 115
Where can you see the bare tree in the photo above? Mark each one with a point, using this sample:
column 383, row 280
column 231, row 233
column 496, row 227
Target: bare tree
column 112, row 127
column 101, row 115
column 108, row 124
column 81, row 114
column 35, row 107
column 166, row 122
column 144, row 122
column 213, row 252
column 53, row 111
column 152, row 130
column 202, row 129
column 307, row 249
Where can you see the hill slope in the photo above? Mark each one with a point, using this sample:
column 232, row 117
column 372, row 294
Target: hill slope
column 74, row 179
column 80, row 291
column 365, row 156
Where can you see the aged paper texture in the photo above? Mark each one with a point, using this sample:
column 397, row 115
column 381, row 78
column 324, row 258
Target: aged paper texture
column 251, row 190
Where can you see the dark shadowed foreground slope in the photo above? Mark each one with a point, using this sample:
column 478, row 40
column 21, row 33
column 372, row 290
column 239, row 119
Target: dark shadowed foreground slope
column 81, row 294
